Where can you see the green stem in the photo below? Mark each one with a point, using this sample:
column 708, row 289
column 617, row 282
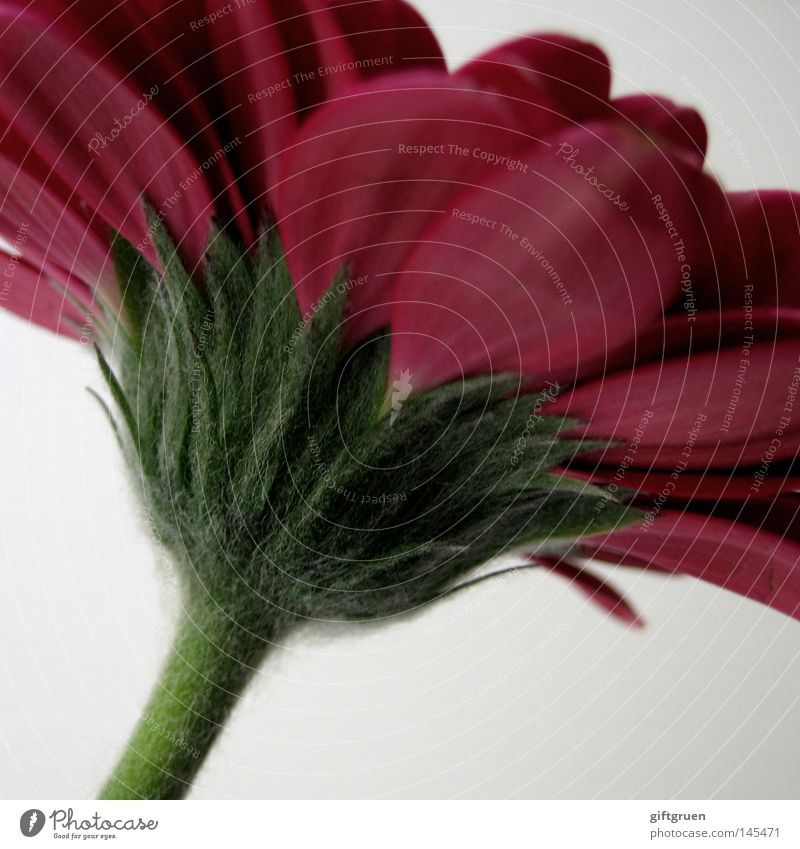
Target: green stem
column 210, row 662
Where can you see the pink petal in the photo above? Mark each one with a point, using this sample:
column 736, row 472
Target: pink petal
column 558, row 278
column 681, row 325
column 756, row 241
column 274, row 61
column 317, row 50
column 574, row 75
column 593, row 587
column 47, row 226
column 696, row 486
column 701, row 411
column 178, row 66
column 353, row 193
column 34, row 296
column 256, row 89
column 748, row 560
column 672, row 335
column 549, row 81
column 683, row 331
column 61, row 99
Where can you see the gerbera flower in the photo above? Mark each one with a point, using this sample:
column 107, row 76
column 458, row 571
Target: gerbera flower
column 367, row 324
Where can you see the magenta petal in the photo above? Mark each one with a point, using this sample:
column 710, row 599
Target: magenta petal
column 35, row 296
column 178, row 67
column 756, row 244
column 681, row 332
column 541, row 270
column 704, row 486
column 780, row 514
column 257, row 91
column 275, row 61
column 673, row 335
column 703, row 411
column 574, row 76
column 753, row 562
column 48, row 227
column 354, row 191
column 100, row 136
column 387, row 35
column 596, row 589
column 528, row 75
column 680, row 125
column 319, row 55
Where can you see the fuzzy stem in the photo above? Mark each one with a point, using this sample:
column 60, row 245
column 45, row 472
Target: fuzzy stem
column 209, row 664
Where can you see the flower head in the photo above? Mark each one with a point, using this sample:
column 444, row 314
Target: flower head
column 508, row 217
column 368, row 323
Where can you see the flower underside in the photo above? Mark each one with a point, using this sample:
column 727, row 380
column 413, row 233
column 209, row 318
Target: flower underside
column 280, row 475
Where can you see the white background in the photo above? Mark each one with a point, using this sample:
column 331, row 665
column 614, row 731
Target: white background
column 518, row 690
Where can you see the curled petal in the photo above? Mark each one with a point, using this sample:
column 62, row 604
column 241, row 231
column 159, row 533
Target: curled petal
column 753, row 561
column 594, row 588
column 550, row 81
column 572, row 75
